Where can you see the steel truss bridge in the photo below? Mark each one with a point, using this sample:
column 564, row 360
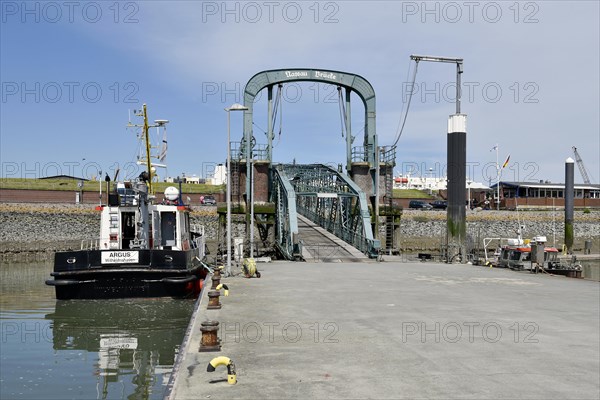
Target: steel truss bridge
column 325, row 196
column 333, row 199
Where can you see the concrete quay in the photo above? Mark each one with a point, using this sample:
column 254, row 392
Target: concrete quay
column 395, row 330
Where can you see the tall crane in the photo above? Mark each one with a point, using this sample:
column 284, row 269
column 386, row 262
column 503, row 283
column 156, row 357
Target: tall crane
column 584, row 174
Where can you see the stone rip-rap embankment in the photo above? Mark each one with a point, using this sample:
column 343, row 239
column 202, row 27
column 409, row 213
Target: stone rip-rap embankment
column 38, row 227
column 425, row 230
column 54, row 226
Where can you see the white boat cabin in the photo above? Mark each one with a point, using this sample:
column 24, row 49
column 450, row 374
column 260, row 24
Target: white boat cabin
column 169, row 227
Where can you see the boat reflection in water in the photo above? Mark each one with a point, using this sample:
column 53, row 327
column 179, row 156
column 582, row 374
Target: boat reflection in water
column 136, row 341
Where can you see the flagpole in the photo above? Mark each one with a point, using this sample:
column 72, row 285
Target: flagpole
column 165, row 147
column 498, row 172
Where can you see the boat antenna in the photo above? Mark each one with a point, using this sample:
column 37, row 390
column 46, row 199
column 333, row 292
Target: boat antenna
column 148, row 160
column 144, row 141
column 521, row 227
column 553, row 223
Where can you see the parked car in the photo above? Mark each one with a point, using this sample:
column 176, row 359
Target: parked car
column 439, row 204
column 419, row 204
column 208, row 200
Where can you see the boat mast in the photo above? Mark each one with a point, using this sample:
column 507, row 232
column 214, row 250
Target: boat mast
column 148, row 161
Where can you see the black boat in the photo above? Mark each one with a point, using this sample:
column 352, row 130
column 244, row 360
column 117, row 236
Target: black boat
column 133, row 257
column 144, row 249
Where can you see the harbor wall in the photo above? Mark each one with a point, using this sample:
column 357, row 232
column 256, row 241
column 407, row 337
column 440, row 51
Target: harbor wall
column 53, row 226
column 547, row 202
column 36, row 227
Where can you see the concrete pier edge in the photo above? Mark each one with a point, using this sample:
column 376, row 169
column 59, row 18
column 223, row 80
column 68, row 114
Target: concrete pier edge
column 187, row 339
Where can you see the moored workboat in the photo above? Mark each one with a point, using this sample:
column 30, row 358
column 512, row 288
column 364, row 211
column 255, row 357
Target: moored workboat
column 144, row 249
column 516, row 254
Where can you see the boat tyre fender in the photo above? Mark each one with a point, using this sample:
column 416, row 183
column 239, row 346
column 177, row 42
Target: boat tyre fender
column 186, row 279
column 66, row 282
column 198, row 285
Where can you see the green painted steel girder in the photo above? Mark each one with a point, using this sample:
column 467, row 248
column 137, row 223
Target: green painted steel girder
column 333, row 201
column 287, row 217
column 352, row 82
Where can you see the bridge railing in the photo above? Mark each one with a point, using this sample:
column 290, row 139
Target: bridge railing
column 237, row 151
column 345, row 225
column 359, row 154
column 334, row 202
column 284, row 198
column 387, row 154
column 259, row 152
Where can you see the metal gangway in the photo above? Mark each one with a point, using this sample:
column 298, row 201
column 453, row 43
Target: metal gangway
column 325, row 196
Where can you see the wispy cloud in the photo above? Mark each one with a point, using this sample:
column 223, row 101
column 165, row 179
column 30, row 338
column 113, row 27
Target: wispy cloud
column 532, row 74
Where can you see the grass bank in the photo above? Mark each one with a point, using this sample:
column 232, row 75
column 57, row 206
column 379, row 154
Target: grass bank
column 94, row 186
column 411, row 194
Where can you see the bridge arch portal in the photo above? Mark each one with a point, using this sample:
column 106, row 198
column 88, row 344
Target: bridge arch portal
column 350, row 82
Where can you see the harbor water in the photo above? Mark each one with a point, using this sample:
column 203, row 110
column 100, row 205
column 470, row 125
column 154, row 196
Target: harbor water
column 83, row 349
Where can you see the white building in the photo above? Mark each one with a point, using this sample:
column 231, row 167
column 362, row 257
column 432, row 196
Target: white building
column 420, row 183
column 219, row 176
column 194, row 179
column 431, row 183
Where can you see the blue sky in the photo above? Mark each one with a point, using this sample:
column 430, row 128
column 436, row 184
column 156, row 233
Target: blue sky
column 70, row 71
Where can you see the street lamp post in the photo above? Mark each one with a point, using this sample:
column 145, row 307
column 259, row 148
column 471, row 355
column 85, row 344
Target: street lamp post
column 100, row 184
column 80, row 186
column 252, row 208
column 234, row 107
column 469, row 193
